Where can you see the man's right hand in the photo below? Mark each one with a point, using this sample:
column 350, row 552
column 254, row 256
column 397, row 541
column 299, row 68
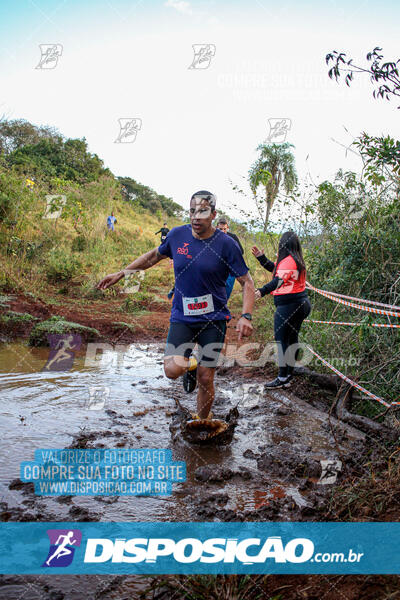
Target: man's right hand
column 109, row 280
column 257, row 252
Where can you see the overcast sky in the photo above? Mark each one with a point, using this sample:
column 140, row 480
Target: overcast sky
column 199, row 126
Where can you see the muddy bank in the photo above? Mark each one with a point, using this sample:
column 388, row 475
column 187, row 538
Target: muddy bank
column 105, row 315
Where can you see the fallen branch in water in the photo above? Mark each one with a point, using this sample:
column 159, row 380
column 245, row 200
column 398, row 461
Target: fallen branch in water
column 342, row 405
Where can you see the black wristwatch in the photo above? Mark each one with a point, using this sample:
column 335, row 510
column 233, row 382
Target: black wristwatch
column 247, row 316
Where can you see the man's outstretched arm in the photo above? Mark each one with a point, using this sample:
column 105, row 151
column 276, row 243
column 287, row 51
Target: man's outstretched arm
column 142, row 263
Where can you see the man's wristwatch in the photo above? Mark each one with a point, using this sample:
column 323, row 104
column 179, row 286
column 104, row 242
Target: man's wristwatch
column 247, row 316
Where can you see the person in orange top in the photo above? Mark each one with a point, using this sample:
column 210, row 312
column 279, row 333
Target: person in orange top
column 288, row 287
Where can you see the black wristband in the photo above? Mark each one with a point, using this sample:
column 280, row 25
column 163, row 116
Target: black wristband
column 246, row 316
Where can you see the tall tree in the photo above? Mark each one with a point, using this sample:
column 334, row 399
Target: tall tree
column 272, row 169
column 19, row 133
column 384, row 75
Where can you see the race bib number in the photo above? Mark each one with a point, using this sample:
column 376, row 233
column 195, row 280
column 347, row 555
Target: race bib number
column 199, row 305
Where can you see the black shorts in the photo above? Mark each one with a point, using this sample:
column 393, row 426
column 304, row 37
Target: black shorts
column 210, row 336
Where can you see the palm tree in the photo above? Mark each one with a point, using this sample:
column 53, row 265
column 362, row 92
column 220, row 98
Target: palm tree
column 275, row 166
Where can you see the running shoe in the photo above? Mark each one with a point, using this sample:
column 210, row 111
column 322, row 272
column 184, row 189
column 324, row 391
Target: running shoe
column 195, row 417
column 190, row 380
column 278, row 383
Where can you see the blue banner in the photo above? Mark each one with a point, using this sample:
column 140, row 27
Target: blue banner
column 195, row 548
column 98, row 472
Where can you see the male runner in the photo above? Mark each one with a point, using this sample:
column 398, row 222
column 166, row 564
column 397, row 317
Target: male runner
column 223, row 225
column 110, row 222
column 164, row 230
column 203, row 258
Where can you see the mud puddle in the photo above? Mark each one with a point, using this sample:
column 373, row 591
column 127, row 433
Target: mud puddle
column 271, row 470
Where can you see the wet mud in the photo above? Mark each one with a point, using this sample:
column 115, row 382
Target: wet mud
column 269, row 467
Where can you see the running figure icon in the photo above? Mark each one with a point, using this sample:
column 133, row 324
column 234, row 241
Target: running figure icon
column 62, row 549
column 63, row 351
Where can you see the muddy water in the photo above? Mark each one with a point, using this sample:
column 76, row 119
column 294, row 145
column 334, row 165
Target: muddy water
column 277, row 446
column 271, row 465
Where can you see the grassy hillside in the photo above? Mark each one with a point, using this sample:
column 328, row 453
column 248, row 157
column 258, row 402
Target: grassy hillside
column 74, row 250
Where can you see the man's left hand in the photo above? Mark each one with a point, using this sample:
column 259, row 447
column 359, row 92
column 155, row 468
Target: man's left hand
column 244, row 328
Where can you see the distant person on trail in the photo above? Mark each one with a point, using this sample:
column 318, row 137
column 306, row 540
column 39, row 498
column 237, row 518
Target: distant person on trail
column 223, row 225
column 110, row 222
column 288, row 286
column 203, row 258
column 164, row 230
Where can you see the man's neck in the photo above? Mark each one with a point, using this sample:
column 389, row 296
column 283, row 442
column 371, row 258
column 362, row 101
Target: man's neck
column 205, row 235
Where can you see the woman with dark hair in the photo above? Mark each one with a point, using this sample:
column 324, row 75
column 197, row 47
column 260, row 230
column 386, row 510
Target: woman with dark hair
column 288, row 286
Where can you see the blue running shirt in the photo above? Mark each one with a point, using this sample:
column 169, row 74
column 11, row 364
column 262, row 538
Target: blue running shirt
column 110, row 222
column 201, row 270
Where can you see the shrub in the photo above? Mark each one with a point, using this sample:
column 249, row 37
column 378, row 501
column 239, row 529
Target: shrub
column 79, row 244
column 137, row 302
column 15, row 317
column 57, row 324
column 61, row 266
column 18, row 247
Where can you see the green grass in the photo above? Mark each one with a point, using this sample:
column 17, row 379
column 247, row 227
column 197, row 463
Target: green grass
column 16, row 317
column 137, row 302
column 58, row 325
column 5, row 301
column 122, row 325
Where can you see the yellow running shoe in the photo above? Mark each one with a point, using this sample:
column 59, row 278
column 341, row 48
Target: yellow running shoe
column 190, row 376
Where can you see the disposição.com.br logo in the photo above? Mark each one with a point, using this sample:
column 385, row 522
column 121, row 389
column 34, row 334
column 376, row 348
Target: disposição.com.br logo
column 188, row 550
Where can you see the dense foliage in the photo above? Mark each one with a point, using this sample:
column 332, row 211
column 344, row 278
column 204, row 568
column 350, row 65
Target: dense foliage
column 41, row 152
column 142, row 195
column 357, row 253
